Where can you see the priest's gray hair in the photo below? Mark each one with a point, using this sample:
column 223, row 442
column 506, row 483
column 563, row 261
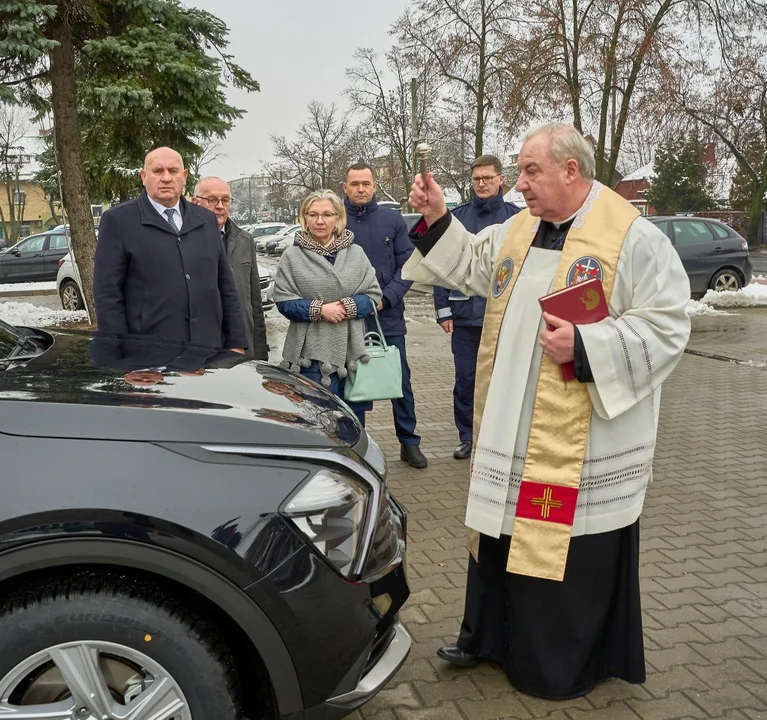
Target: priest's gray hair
column 338, row 207
column 566, row 144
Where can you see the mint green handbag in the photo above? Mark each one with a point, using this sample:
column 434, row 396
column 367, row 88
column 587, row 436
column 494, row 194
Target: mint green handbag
column 381, row 377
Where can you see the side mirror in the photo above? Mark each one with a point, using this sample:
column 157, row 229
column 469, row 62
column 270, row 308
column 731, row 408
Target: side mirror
column 15, row 251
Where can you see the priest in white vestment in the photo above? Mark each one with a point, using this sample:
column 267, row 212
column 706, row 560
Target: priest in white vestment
column 560, row 468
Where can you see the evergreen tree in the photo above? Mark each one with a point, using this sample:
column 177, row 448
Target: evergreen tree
column 120, row 77
column 681, row 177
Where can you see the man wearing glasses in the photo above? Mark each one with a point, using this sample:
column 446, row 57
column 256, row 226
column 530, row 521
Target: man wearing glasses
column 460, row 315
column 214, row 194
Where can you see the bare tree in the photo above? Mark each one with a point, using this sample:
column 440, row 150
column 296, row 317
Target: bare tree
column 13, row 159
column 318, row 155
column 381, row 93
column 452, row 146
column 211, row 151
column 467, row 41
column 594, row 60
column 731, row 102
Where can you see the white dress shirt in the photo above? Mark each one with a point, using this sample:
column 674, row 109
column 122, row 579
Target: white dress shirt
column 162, row 208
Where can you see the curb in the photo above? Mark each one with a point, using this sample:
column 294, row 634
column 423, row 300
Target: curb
column 27, row 293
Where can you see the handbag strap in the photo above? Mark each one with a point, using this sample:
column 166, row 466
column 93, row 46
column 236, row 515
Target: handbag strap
column 380, row 331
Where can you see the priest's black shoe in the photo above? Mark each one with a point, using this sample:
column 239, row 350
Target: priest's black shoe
column 463, row 451
column 455, row 656
column 413, row 456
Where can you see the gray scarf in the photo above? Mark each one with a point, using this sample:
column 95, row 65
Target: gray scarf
column 304, row 273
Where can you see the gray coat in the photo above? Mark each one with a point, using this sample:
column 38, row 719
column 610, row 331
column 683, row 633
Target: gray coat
column 242, row 259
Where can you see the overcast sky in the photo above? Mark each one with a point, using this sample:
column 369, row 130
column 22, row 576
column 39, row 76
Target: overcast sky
column 298, row 50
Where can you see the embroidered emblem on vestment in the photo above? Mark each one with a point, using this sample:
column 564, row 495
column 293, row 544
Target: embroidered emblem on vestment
column 585, row 268
column 502, row 276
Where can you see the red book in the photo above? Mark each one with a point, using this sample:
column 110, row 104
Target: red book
column 579, row 304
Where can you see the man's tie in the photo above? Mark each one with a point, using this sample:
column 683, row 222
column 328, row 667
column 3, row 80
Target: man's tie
column 169, row 213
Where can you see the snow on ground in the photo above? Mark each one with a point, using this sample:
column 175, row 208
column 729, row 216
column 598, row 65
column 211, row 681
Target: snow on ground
column 24, row 287
column 753, row 295
column 28, row 315
column 695, row 308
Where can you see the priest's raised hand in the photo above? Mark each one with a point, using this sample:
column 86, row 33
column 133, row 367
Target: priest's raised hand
column 427, row 198
column 558, row 343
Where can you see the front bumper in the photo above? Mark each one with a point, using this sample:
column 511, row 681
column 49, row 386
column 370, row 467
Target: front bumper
column 374, row 680
column 388, row 664
column 267, row 293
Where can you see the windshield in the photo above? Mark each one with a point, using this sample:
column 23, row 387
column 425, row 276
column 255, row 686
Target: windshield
column 9, row 339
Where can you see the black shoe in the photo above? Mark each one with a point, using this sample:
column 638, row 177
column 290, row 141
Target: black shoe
column 413, row 456
column 455, row 656
column 463, row 450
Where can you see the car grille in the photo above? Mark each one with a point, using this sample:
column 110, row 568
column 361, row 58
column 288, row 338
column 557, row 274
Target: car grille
column 265, row 282
column 382, row 641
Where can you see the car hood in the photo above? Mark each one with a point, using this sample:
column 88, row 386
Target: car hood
column 145, row 390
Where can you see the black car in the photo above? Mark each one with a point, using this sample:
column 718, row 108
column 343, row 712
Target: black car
column 713, row 254
column 186, row 535
column 33, row 259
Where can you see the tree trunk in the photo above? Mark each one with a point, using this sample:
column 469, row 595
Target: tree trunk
column 755, row 213
column 54, row 216
column 70, row 156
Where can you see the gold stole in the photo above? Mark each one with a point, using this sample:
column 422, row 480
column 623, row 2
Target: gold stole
column 562, row 411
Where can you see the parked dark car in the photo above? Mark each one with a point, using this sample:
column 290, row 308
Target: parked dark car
column 713, row 254
column 33, row 259
column 188, row 535
column 411, row 219
column 3, row 243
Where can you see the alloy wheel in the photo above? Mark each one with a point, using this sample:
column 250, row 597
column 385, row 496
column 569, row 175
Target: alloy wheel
column 727, row 281
column 91, row 681
column 70, row 299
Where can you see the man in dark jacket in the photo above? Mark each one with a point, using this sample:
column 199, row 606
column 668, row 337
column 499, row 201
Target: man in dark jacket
column 160, row 267
column 213, row 193
column 383, row 235
column 460, row 315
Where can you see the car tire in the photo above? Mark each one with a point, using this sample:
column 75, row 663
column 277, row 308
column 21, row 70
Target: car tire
column 726, row 279
column 97, row 642
column 71, row 297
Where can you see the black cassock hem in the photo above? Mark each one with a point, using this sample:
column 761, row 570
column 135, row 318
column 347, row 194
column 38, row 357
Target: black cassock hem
column 558, row 640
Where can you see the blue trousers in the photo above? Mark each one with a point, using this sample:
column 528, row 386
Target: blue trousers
column 313, row 372
column 403, row 408
column 465, row 345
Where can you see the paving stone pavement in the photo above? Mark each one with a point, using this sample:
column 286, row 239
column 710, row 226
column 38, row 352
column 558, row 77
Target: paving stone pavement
column 704, row 549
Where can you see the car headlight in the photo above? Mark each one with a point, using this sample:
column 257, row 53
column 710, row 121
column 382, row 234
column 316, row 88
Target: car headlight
column 375, row 457
column 330, row 510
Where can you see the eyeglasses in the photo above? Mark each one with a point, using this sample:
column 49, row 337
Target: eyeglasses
column 213, row 201
column 484, row 179
column 324, row 216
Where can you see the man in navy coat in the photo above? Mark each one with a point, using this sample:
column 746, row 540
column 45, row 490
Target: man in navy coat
column 383, row 235
column 161, row 268
column 463, row 316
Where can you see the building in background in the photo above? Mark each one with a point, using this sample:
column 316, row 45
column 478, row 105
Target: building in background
column 24, row 207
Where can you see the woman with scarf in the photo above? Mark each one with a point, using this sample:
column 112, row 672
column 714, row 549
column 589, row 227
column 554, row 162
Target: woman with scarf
column 326, row 287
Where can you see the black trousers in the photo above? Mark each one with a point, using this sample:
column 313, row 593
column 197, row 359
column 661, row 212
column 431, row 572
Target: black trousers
column 557, row 640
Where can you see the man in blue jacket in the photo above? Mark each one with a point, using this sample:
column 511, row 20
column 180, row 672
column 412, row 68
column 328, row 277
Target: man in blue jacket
column 383, row 235
column 460, row 315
